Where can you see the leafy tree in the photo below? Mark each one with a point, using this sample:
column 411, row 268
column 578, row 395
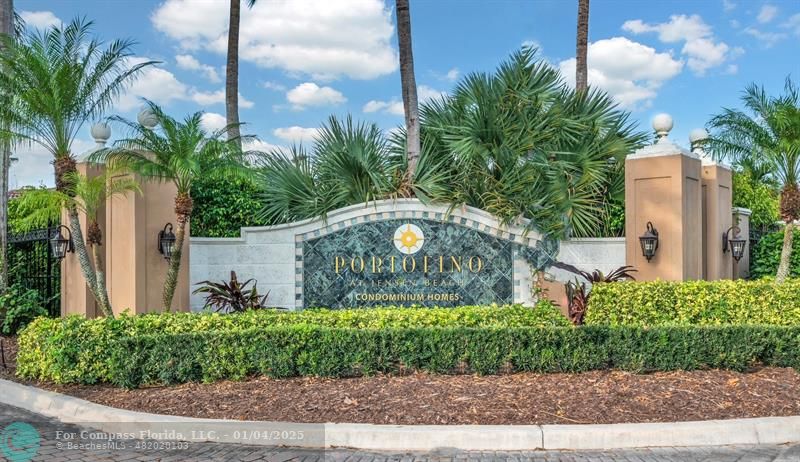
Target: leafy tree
column 179, row 152
column 51, row 83
column 223, row 208
column 767, row 134
column 761, row 198
column 34, row 208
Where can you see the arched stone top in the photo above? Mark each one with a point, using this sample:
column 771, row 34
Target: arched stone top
column 519, row 231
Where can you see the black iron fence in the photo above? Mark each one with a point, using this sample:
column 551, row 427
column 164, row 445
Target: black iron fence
column 31, row 264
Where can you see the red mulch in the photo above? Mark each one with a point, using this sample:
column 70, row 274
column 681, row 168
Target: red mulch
column 591, row 397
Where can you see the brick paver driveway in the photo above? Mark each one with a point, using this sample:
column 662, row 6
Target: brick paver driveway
column 51, row 448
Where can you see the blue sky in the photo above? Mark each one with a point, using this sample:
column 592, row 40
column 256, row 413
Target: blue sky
column 302, row 60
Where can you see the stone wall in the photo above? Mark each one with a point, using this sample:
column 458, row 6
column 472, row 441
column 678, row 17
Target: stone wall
column 274, row 255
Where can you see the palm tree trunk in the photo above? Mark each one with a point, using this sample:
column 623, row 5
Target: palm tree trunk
column 581, row 68
column 6, row 28
column 105, row 306
column 174, row 264
column 786, row 252
column 232, row 73
column 80, row 249
column 409, row 86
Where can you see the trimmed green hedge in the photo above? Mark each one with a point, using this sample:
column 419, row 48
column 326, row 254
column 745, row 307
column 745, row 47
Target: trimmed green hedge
column 289, row 351
column 766, row 255
column 76, row 349
column 695, row 303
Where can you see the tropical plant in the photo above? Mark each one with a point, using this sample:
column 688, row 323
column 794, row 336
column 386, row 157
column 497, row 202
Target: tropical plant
column 765, row 256
column 349, row 164
column 760, row 197
column 578, row 294
column 582, row 35
column 34, row 208
column 232, row 71
column 51, row 83
column 232, row 296
column 409, row 89
column 179, row 152
column 517, row 143
column 771, row 135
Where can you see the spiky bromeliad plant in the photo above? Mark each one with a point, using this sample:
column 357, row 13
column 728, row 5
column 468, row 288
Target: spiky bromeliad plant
column 232, row 296
column 770, row 137
column 178, row 152
column 51, row 83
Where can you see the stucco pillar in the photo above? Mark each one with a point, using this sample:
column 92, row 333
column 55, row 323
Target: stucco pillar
column 663, row 186
column 136, row 269
column 717, row 219
column 741, row 218
column 76, row 298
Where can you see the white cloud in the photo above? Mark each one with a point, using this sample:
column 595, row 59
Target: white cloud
column 793, row 24
column 700, row 46
column 274, row 86
column 162, row 87
column 320, row 38
column 395, row 106
column 767, row 13
column 191, row 63
column 210, row 98
column 732, row 69
column 155, row 83
column 728, row 5
column 532, row 44
column 768, row 39
column 211, row 121
column 310, row 94
column 633, row 81
column 263, row 146
column 734, row 23
column 40, row 19
column 296, row 134
column 452, row 74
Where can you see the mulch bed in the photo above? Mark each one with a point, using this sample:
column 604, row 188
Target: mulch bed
column 526, row 398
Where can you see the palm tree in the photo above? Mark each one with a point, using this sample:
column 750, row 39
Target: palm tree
column 51, row 83
column 770, row 136
column 6, row 30
column 232, row 71
column 178, row 152
column 409, row 85
column 581, row 80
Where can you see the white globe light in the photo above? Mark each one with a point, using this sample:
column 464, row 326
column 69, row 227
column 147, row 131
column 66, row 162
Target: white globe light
column 147, row 118
column 101, row 132
column 698, row 134
column 662, row 124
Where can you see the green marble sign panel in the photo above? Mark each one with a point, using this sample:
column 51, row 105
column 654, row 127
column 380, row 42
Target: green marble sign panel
column 407, row 262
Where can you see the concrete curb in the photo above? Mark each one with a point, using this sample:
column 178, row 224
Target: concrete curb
column 767, row 430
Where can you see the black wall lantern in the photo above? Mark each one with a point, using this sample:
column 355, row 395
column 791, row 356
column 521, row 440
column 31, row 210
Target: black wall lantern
column 735, row 244
column 649, row 241
column 166, row 241
column 60, row 245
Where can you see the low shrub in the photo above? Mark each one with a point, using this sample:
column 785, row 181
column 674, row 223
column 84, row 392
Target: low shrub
column 76, row 349
column 767, row 255
column 302, row 350
column 18, row 307
column 657, row 303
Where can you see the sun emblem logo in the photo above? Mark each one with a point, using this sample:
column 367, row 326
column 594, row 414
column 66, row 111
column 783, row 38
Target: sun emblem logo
column 408, row 239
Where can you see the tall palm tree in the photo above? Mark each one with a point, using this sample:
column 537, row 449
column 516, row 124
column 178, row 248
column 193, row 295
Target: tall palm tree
column 6, row 30
column 409, row 84
column 581, row 68
column 232, row 71
column 51, row 83
column 770, row 136
column 178, row 152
